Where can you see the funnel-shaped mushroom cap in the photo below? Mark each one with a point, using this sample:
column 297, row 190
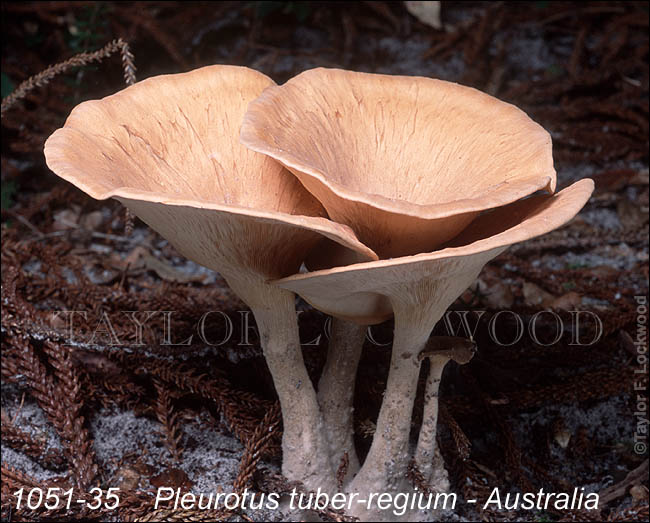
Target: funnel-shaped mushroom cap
column 168, row 148
column 407, row 162
column 364, row 293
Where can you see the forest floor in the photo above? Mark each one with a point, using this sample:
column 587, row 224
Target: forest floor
column 87, row 402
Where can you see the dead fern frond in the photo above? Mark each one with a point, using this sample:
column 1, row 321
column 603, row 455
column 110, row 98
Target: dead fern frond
column 416, row 478
column 462, row 442
column 44, row 77
column 168, row 418
column 190, row 516
column 342, row 470
column 256, row 447
column 17, row 439
column 68, row 394
column 241, row 409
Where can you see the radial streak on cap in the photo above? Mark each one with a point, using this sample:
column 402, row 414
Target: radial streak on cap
column 407, row 162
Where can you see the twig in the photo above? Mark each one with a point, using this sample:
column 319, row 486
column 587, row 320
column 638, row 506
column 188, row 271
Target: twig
column 634, row 477
column 23, row 220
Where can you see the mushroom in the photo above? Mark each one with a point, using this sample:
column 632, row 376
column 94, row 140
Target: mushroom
column 384, row 156
column 168, row 149
column 439, row 351
column 407, row 162
column 419, row 289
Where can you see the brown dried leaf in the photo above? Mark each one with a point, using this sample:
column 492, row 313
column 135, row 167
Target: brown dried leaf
column 172, row 477
column 497, row 295
column 568, row 302
column 639, row 493
column 535, row 296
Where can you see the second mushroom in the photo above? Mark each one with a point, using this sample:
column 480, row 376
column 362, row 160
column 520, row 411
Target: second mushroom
column 432, row 176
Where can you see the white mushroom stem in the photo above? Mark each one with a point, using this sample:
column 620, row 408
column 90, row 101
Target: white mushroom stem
column 385, row 467
column 417, row 306
column 336, row 390
column 426, row 446
column 427, row 456
column 305, row 450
